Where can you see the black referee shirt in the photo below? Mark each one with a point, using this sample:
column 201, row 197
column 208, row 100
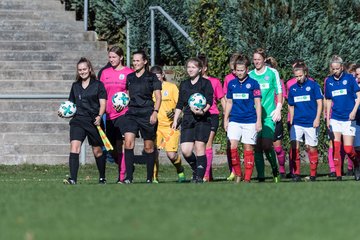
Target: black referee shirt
column 202, row 86
column 87, row 100
column 141, row 90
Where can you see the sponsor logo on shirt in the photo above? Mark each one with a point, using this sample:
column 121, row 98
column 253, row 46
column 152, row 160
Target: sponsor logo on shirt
column 339, row 92
column 240, row 96
column 304, row 98
column 264, row 86
column 121, row 76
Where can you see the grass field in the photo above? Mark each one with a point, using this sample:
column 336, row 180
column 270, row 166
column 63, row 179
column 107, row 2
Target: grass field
column 34, row 204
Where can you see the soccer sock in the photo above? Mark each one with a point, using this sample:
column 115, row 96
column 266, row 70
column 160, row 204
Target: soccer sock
column 281, row 158
column 313, row 157
column 342, row 155
column 350, row 164
column 291, row 164
column 209, row 158
column 259, row 164
column 192, row 162
column 235, row 162
column 122, row 167
column 201, row 166
column 271, row 156
column 350, row 151
column 129, row 163
column 331, row 159
column 228, row 155
column 337, row 158
column 177, row 164
column 295, row 158
column 249, row 164
column 150, row 162
column 74, row 165
column 156, row 168
column 101, row 165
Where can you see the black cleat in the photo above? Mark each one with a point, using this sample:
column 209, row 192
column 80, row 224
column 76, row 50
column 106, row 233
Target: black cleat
column 332, row 174
column 102, row 181
column 261, row 180
column 357, row 174
column 338, row 178
column 149, row 181
column 289, row 175
column 282, row 175
column 69, row 181
column 296, row 178
column 312, row 179
column 127, row 181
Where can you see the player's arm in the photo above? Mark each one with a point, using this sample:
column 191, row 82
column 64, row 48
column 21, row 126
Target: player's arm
column 318, row 113
column 102, row 109
column 176, row 118
column 228, row 107
column 276, row 114
column 157, row 94
column 291, row 111
column 328, row 109
column 356, row 107
column 258, row 124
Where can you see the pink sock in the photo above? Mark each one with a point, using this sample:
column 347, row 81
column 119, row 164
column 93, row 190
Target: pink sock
column 350, row 164
column 209, row 158
column 331, row 159
column 281, row 158
column 122, row 167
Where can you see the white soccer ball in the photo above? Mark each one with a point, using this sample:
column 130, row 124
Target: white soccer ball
column 197, row 100
column 67, row 109
column 120, row 99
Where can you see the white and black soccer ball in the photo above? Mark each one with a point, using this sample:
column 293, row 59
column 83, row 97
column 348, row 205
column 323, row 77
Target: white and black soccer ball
column 120, row 99
column 197, row 100
column 67, row 109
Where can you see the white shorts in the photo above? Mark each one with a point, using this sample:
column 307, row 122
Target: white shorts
column 298, row 133
column 244, row 131
column 346, row 128
column 357, row 136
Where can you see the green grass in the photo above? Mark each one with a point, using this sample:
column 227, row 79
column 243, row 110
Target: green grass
column 36, row 205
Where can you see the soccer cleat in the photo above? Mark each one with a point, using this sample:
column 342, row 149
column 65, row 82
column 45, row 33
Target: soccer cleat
column 155, row 180
column 338, row 178
column 237, row 179
column 181, row 177
column 231, row 177
column 332, row 174
column 357, row 174
column 127, row 181
column 261, row 180
column 282, row 175
column 277, row 179
column 289, row 175
column 69, row 181
column 102, row 181
column 310, row 179
column 149, row 181
column 206, row 179
column 199, row 180
column 296, row 178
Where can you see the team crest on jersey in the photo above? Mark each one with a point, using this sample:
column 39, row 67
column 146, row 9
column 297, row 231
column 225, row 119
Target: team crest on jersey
column 121, row 76
column 166, row 93
column 308, row 88
column 248, row 86
column 345, row 82
column 267, row 78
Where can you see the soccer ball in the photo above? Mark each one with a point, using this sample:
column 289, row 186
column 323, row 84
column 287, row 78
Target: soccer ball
column 197, row 100
column 67, row 109
column 120, row 99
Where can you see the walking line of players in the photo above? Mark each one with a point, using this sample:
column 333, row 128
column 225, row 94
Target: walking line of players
column 252, row 103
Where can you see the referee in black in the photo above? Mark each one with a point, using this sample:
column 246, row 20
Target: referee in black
column 89, row 95
column 142, row 114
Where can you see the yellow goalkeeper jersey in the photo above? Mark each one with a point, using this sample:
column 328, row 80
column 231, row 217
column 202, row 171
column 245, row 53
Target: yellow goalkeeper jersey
column 169, row 98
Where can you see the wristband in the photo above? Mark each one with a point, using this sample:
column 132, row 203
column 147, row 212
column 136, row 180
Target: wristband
column 156, row 110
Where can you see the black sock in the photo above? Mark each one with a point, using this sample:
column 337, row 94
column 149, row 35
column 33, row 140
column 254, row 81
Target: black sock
column 201, row 166
column 129, row 163
column 101, row 165
column 192, row 162
column 74, row 165
column 150, row 162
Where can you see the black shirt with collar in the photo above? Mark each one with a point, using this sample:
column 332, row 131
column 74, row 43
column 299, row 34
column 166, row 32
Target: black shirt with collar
column 87, row 99
column 141, row 90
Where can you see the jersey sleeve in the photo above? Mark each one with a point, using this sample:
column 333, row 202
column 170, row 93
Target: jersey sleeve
column 355, row 85
column 175, row 93
column 218, row 91
column 256, row 91
column 327, row 90
column 209, row 92
column 156, row 83
column 278, row 88
column 229, row 93
column 102, row 91
column 318, row 92
column 72, row 94
column 180, row 101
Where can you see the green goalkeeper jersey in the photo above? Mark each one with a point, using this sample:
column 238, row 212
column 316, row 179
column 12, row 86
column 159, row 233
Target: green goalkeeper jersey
column 270, row 85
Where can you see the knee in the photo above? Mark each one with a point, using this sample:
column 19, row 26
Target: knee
column 75, row 149
column 129, row 145
column 172, row 156
column 97, row 152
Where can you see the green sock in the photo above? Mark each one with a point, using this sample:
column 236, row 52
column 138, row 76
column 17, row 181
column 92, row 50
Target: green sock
column 259, row 164
column 271, row 156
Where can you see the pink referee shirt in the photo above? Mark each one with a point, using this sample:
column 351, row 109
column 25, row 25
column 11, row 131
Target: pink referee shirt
column 227, row 79
column 218, row 94
column 114, row 81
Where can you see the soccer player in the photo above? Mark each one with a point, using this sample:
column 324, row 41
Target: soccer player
column 279, row 129
column 242, row 118
column 142, row 114
column 196, row 123
column 269, row 81
column 305, row 105
column 227, row 79
column 89, row 95
column 114, row 79
column 214, row 114
column 342, row 101
column 166, row 137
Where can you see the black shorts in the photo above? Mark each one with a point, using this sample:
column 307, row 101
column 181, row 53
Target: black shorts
column 214, row 122
column 113, row 129
column 195, row 130
column 82, row 127
column 279, row 131
column 134, row 124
